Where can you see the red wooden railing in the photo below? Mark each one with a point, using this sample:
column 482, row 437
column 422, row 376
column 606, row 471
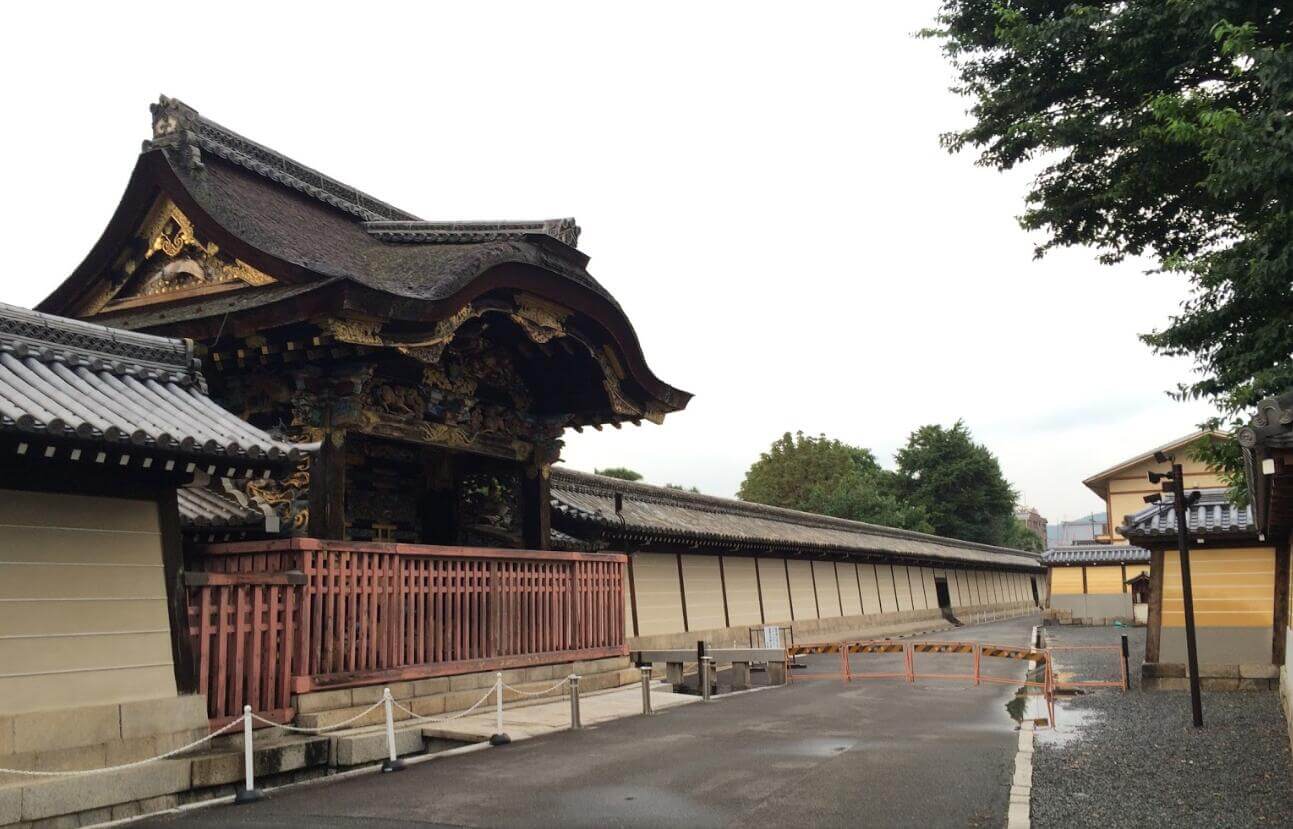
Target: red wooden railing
column 244, row 632
column 364, row 613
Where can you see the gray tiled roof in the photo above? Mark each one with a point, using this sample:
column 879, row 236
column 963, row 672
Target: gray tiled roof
column 583, row 502
column 203, row 507
column 1213, row 514
column 1096, row 554
column 68, row 380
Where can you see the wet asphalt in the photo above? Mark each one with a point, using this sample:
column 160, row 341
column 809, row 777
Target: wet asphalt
column 815, row 753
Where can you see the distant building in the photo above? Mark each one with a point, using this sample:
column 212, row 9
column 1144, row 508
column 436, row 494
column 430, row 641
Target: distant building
column 1078, row 531
column 1033, row 520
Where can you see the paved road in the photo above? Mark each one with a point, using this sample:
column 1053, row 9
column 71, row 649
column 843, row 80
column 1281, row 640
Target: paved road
column 817, row 753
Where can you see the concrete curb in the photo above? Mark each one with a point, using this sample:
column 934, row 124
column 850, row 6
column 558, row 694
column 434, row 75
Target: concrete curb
column 1021, row 785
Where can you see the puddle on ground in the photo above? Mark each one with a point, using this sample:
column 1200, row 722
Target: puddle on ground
column 1071, row 724
column 815, row 746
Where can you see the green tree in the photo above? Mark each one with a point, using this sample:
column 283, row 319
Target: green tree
column 1162, row 129
column 829, row 477
column 682, row 488
column 958, row 483
column 621, row 472
column 1021, row 538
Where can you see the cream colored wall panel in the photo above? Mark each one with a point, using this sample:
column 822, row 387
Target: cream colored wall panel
column 703, row 590
column 659, row 602
column 36, row 616
column 54, row 691
column 63, row 653
column 742, row 590
column 954, row 588
column 850, row 592
column 803, row 599
column 28, row 581
column 41, row 509
column 888, row 595
column 828, row 590
column 931, row 590
column 776, row 596
column 870, row 589
column 53, row 545
column 902, row 587
column 981, row 588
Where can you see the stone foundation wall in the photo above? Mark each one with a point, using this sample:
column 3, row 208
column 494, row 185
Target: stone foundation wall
column 1172, row 676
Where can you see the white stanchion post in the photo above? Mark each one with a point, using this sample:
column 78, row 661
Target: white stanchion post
column 393, row 762
column 706, row 665
column 249, row 793
column 499, row 738
column 575, row 724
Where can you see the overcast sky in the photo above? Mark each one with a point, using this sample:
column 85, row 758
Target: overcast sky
column 761, row 187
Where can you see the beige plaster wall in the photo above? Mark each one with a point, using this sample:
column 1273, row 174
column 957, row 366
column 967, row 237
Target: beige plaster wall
column 83, row 615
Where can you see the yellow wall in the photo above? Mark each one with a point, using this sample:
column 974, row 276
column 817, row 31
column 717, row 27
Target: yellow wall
column 870, row 589
column 828, row 593
column 704, row 592
column 1104, row 579
column 83, row 615
column 849, row 592
column 655, row 586
column 1232, row 587
column 803, row 600
column 742, row 590
column 776, row 599
column 1127, row 491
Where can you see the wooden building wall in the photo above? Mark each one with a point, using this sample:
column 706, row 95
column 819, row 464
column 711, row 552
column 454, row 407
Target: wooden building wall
column 83, row 612
column 1234, row 600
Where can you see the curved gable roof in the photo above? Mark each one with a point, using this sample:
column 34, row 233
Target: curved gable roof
column 312, row 232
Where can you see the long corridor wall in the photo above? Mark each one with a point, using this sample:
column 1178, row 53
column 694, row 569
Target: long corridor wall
column 676, row 598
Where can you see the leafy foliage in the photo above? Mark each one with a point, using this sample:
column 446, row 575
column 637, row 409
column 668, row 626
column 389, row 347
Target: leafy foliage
column 1163, row 129
column 683, row 488
column 1021, row 538
column 957, row 483
column 826, row 476
column 621, row 472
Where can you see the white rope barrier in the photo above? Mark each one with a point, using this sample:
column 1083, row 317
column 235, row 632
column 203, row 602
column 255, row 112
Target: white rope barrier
column 249, row 792
column 563, row 681
column 136, row 764
column 459, row 715
column 320, row 729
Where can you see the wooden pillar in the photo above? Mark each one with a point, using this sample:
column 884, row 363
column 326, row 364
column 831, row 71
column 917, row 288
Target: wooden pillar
column 1154, row 629
column 536, row 500
column 1281, row 614
column 177, row 604
column 328, row 488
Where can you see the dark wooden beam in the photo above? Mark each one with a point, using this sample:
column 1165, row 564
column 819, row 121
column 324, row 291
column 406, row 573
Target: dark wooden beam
column 536, row 509
column 177, row 596
column 328, row 488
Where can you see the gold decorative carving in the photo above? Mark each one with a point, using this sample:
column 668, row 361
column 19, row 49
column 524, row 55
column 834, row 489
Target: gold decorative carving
column 542, row 321
column 355, row 332
column 174, row 260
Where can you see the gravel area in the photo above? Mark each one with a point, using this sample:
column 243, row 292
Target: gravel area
column 1134, row 759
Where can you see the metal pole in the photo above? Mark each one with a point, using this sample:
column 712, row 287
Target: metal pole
column 249, row 793
column 704, row 677
column 499, row 738
column 393, row 762
column 1126, row 669
column 646, row 689
column 574, row 703
column 1183, row 544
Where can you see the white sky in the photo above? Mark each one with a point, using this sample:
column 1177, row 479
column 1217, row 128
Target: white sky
column 762, row 189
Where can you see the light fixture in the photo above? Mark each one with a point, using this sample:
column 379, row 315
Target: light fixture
column 1162, row 457
column 1153, row 498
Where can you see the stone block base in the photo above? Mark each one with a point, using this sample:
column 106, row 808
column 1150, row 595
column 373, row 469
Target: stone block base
column 1172, row 676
